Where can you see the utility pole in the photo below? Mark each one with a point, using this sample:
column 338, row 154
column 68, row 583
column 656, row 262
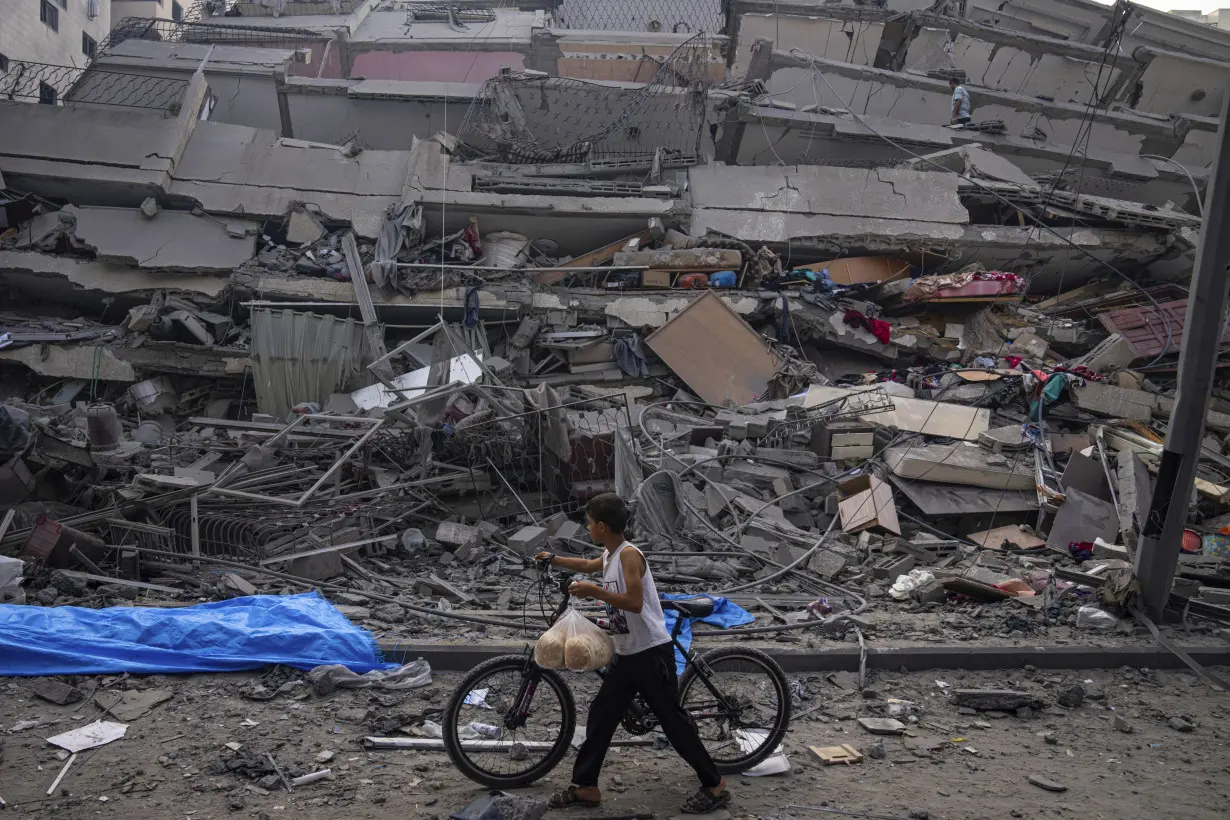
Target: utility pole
column 1157, row 555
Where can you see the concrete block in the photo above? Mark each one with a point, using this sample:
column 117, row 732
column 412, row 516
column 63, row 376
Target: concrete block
column 758, row 475
column 570, row 529
column 1115, row 402
column 53, row 691
column 1217, row 597
column 528, row 540
column 319, row 567
column 555, row 522
column 1102, row 549
column 1113, row 353
column 890, row 566
column 827, row 564
column 452, row 535
column 932, row 592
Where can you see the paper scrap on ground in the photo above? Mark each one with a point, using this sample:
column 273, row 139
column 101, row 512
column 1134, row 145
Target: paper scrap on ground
column 96, row 734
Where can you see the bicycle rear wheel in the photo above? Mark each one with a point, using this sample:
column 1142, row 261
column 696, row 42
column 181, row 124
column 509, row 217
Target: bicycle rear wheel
column 509, row 722
column 743, row 711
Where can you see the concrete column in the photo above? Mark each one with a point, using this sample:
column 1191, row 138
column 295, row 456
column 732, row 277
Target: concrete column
column 1158, row 555
column 760, row 68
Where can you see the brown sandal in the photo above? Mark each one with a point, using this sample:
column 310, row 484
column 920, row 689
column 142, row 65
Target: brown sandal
column 568, row 798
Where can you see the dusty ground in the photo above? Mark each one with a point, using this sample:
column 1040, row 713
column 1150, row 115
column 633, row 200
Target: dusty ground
column 950, row 765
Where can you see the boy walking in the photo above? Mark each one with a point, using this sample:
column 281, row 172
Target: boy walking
column 644, row 662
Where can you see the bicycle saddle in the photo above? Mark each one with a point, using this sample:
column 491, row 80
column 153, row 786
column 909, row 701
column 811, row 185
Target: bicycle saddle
column 693, row 607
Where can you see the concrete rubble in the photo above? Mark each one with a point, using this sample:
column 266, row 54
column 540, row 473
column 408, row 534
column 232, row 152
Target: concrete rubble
column 867, row 394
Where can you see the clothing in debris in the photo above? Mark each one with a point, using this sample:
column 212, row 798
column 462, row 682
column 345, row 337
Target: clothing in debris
column 881, row 330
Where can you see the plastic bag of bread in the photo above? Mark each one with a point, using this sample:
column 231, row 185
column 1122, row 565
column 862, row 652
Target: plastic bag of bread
column 574, row 643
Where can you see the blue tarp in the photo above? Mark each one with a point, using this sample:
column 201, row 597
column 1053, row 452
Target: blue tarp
column 726, row 614
column 302, row 631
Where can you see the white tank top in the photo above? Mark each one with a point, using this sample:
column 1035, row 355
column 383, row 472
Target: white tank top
column 634, row 631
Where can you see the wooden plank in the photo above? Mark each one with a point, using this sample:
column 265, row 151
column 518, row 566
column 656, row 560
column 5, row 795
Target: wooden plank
column 831, row 755
column 124, row 582
column 718, row 356
column 589, row 260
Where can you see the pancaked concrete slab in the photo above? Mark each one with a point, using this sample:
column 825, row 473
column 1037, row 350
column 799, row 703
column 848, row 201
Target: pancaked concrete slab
column 172, row 240
column 40, row 270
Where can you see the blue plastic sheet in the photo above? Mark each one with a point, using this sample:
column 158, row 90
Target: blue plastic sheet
column 726, row 614
column 302, row 631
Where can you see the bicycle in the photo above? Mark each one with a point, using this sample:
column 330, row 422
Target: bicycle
column 739, row 729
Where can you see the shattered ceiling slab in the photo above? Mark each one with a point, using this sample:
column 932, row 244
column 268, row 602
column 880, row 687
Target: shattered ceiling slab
column 171, row 240
column 777, row 204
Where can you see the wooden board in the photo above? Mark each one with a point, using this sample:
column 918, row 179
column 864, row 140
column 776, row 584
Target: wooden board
column 717, row 354
column 1013, row 534
column 860, row 270
column 830, row 755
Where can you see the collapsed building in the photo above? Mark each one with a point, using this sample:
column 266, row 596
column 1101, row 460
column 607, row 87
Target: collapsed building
column 288, row 284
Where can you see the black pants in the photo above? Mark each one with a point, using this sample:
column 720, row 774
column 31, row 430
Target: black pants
column 963, row 120
column 652, row 674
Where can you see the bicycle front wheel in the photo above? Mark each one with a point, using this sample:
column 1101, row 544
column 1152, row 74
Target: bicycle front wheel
column 509, row 722
column 741, row 706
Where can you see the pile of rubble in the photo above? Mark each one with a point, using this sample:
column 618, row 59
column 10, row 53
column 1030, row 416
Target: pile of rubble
column 814, row 441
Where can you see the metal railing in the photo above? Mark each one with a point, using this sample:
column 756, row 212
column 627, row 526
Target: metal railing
column 285, row 8
column 166, row 31
column 56, row 84
column 677, row 16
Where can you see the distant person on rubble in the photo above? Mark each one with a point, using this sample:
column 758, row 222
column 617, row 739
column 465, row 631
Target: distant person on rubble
column 644, row 662
column 960, row 102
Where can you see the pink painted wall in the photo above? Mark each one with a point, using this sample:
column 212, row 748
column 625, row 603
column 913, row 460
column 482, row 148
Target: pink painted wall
column 435, row 66
column 333, row 63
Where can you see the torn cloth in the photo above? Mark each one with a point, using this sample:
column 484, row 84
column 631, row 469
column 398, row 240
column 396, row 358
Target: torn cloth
column 881, row 330
column 413, row 675
column 303, row 631
column 726, row 614
column 14, row 430
column 553, row 420
column 631, row 357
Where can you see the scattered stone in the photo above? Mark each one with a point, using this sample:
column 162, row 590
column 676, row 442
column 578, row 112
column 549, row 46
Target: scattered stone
column 997, row 700
column 882, row 726
column 325, row 756
column 389, row 613
column 47, row 596
column 876, row 751
column 1071, row 696
column 1050, row 738
column 1046, row 783
column 1122, row 725
column 1025, row 713
column 920, row 814
column 1180, row 725
column 53, row 691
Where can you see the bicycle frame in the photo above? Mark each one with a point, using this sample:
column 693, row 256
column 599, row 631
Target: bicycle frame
column 520, row 710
